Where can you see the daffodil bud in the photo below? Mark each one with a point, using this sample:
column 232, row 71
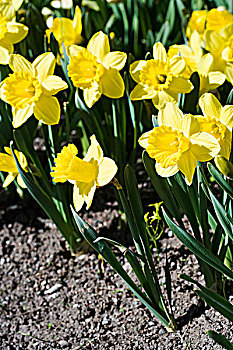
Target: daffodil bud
column 224, row 165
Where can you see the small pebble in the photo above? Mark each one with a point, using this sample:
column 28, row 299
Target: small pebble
column 53, row 288
column 63, row 343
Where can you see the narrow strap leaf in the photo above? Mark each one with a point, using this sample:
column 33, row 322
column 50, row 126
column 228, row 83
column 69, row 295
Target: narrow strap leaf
column 197, row 248
column 220, row 339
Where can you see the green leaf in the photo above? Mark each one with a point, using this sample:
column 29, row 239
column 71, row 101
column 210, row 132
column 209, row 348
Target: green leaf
column 197, row 248
column 224, row 218
column 102, row 248
column 217, row 302
column 133, row 260
column 213, row 299
column 138, row 214
column 220, row 180
column 220, row 339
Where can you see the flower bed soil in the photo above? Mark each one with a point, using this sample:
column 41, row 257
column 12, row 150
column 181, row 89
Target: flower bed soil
column 52, row 300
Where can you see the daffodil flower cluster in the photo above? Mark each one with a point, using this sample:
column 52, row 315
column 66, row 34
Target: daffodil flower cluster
column 86, row 174
column 212, row 31
column 182, row 140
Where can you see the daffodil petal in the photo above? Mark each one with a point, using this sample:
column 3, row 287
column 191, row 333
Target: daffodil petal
column 196, row 43
column 94, row 151
column 226, row 116
column 16, row 32
column 89, row 198
column 204, row 146
column 77, row 21
column 143, row 140
column 135, row 70
column 164, row 96
column 112, row 84
column 180, row 85
column 225, row 150
column 17, row 4
column 159, row 52
column 20, row 116
column 99, row 45
column 227, row 31
column 47, row 109
column 7, row 163
column 77, row 198
column 45, row 65
column 216, row 79
column 183, row 50
column 229, row 72
column 63, row 30
column 18, row 63
column 140, row 92
column 5, row 51
column 92, row 95
column 2, row 91
column 171, row 115
column 10, row 178
column 73, row 50
column 214, row 41
column 187, row 164
column 116, row 59
column 53, row 84
column 210, row 106
column 7, row 11
column 177, row 65
column 21, row 182
column 107, row 170
column 190, row 125
column 205, row 63
column 166, row 172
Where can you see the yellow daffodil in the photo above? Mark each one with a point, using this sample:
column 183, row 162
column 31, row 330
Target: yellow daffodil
column 94, row 170
column 209, row 80
column 196, row 22
column 218, row 18
column 197, row 62
column 7, row 163
column 160, row 78
column 95, row 69
column 215, row 19
column 217, row 121
column 67, row 31
column 191, row 53
column 10, row 33
column 177, row 144
column 30, row 87
column 9, row 7
column 220, row 45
